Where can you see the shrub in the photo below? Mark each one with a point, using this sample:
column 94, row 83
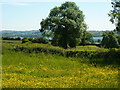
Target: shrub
column 18, row 38
column 30, row 39
column 40, row 40
column 39, row 48
column 24, row 40
column 29, row 42
column 107, row 56
column 7, row 38
column 10, row 38
column 109, row 40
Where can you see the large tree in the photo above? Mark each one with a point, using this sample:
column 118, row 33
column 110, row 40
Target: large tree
column 115, row 14
column 66, row 22
column 109, row 40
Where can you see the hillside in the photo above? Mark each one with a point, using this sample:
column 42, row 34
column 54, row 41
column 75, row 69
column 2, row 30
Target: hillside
column 36, row 33
column 27, row 34
column 97, row 33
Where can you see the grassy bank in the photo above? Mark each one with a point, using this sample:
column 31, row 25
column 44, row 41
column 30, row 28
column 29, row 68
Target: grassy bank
column 40, row 70
column 95, row 54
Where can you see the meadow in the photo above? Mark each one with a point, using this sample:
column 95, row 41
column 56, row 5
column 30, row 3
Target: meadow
column 43, row 70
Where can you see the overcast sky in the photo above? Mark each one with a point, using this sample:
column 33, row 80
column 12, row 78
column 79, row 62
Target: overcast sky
column 27, row 14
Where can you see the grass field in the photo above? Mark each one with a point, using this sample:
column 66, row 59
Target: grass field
column 39, row 70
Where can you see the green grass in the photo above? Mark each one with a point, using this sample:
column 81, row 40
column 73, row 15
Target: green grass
column 86, row 48
column 39, row 70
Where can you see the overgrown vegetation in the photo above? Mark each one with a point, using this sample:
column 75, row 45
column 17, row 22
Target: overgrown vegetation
column 40, row 70
column 110, row 40
column 91, row 52
column 10, row 38
column 35, row 40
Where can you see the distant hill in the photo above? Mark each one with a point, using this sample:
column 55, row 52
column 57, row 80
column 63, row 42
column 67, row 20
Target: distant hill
column 36, row 33
column 97, row 33
column 27, row 34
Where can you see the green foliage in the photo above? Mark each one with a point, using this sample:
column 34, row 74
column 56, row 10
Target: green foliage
column 9, row 38
column 24, row 40
column 6, row 38
column 30, row 39
column 115, row 14
column 66, row 24
column 38, row 48
column 99, row 41
column 40, row 40
column 23, row 70
column 28, row 42
column 89, row 52
column 87, row 38
column 93, row 53
column 118, row 37
column 40, row 70
column 35, row 40
column 47, row 34
column 109, row 40
column 55, row 40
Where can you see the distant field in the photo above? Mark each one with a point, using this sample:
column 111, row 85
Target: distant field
column 39, row 70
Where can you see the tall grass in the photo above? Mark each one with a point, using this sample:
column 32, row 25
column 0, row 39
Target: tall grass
column 40, row 70
column 105, row 56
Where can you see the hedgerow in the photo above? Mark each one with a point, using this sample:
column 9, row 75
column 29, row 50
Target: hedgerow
column 38, row 48
column 45, row 48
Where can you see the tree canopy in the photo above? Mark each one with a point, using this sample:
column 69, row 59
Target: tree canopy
column 109, row 40
column 66, row 22
column 115, row 14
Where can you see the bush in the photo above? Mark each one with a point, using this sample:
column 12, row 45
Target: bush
column 39, row 48
column 36, row 40
column 29, row 42
column 108, row 56
column 40, row 40
column 10, row 38
column 6, row 38
column 30, row 39
column 109, row 40
column 101, row 53
column 24, row 40
column 18, row 38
